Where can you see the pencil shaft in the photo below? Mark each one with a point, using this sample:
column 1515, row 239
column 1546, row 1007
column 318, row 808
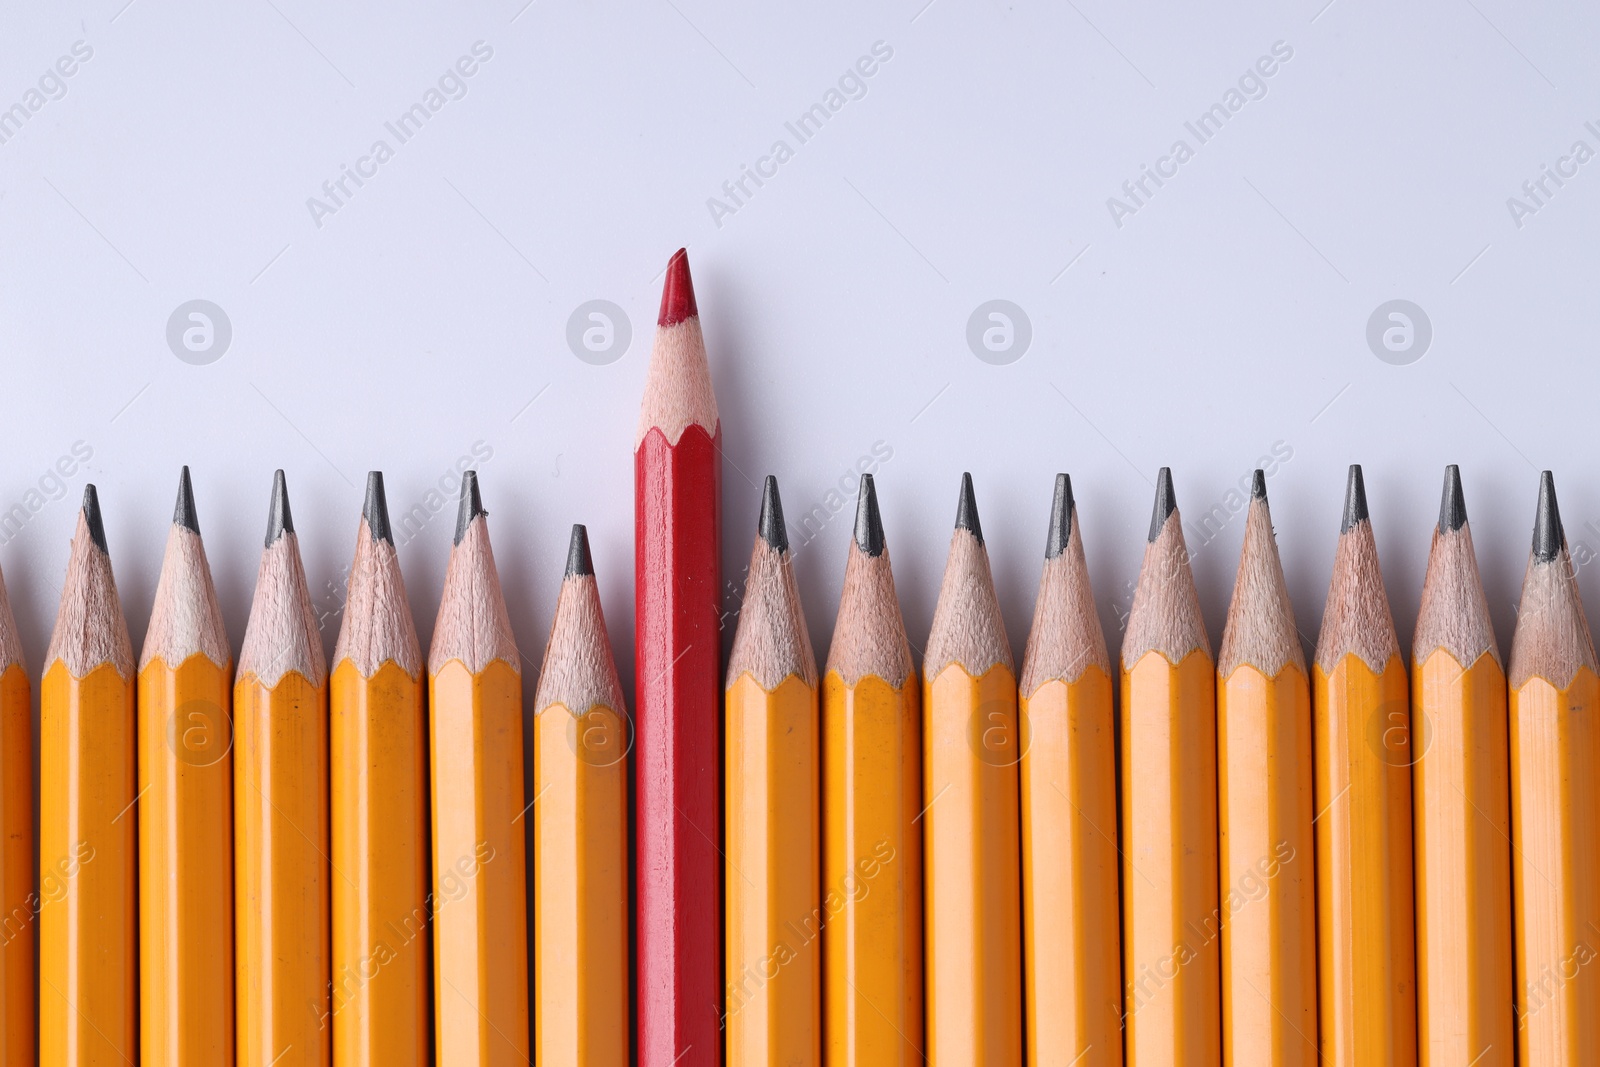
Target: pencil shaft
column 1069, row 873
column 677, row 650
column 185, row 862
column 88, row 862
column 282, row 895
column 872, row 871
column 1268, row 854
column 1461, row 793
column 18, row 902
column 774, row 911
column 972, row 868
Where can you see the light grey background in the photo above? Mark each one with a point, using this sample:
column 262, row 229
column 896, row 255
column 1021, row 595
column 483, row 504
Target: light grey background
column 429, row 314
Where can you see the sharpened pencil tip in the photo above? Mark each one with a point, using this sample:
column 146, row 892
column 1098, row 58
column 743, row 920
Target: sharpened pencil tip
column 91, row 518
column 1355, row 500
column 771, row 527
column 1166, row 503
column 376, row 509
column 279, row 521
column 967, row 510
column 1060, row 518
column 183, row 513
column 1453, row 504
column 869, row 524
column 579, row 562
column 677, row 294
column 1258, row 485
column 471, row 504
column 1548, row 536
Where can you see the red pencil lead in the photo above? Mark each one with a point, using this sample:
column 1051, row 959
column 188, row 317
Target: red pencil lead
column 677, row 294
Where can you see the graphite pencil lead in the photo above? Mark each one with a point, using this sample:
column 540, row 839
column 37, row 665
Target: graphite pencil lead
column 771, row 527
column 579, row 562
column 279, row 520
column 92, row 519
column 1548, row 535
column 376, row 509
column 183, row 514
column 1355, row 500
column 1258, row 485
column 1453, row 505
column 967, row 510
column 471, row 504
column 1166, row 503
column 677, row 294
column 1060, row 518
column 869, row 524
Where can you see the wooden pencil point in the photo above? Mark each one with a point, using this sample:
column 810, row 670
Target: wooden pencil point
column 1062, row 510
column 677, row 294
column 183, row 513
column 94, row 525
column 967, row 510
column 279, row 519
column 1453, row 505
column 1165, row 615
column 869, row 523
column 375, row 510
column 579, row 562
column 1166, row 503
column 473, row 625
column 1548, row 536
column 770, row 525
column 471, row 504
column 185, row 619
column 1260, row 630
column 1355, row 500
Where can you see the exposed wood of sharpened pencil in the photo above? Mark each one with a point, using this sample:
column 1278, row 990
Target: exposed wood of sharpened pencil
column 871, row 800
column 772, row 879
column 1169, row 808
column 18, row 1003
column 1069, row 814
column 280, row 802
column 677, row 649
column 88, row 849
column 480, row 891
column 377, row 734
column 1555, row 804
column 1265, row 791
column 972, row 882
column 581, row 742
column 1461, row 797
column 186, row 809
column 1366, row 951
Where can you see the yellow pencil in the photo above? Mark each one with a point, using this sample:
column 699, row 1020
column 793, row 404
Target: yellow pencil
column 1362, row 752
column 774, row 917
column 185, row 810
column 88, row 847
column 1462, row 796
column 1265, row 791
column 1170, row 915
column 871, row 799
column 280, row 814
column 1555, row 806
column 1069, row 814
column 580, row 818
column 972, row 880
column 480, row 912
column 377, row 745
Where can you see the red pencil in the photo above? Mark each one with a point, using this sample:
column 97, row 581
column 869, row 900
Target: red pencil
column 677, row 653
